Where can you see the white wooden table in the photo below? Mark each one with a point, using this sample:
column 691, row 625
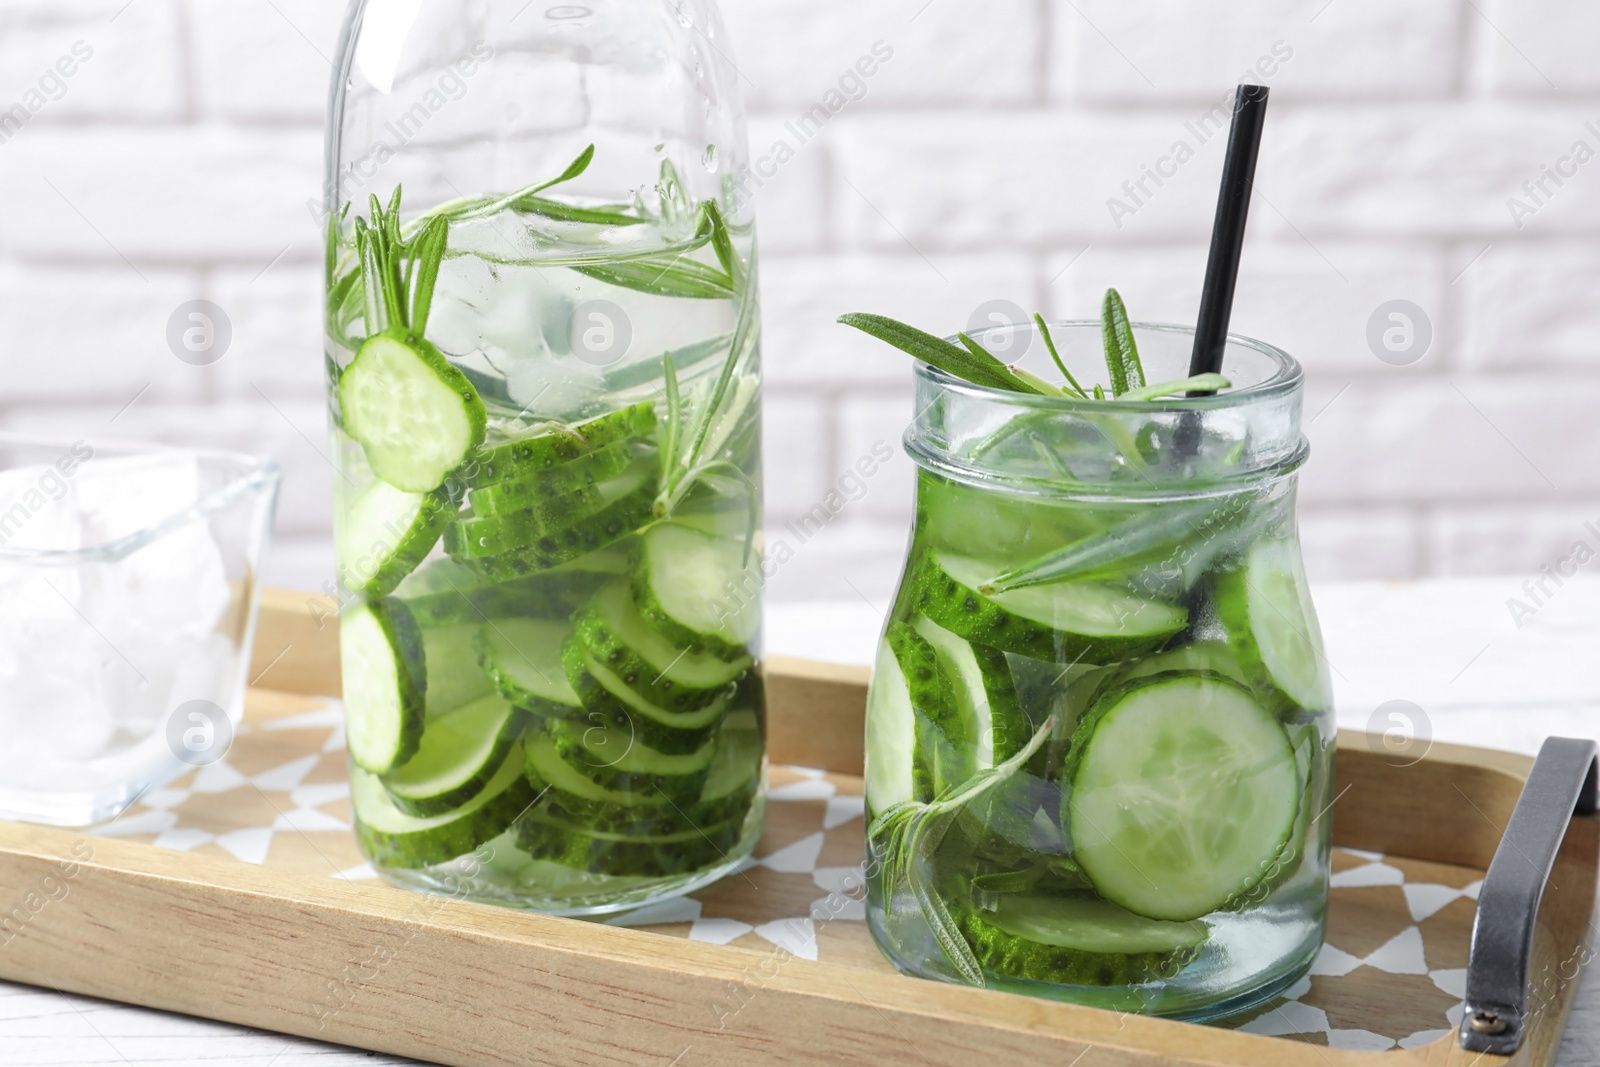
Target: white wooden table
column 1453, row 649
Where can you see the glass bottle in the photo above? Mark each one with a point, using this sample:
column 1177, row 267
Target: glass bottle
column 1100, row 729
column 544, row 394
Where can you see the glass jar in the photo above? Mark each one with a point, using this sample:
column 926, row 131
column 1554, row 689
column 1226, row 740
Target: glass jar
column 544, row 392
column 1100, row 729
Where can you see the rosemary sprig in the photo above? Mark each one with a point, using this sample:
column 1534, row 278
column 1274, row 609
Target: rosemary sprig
column 908, row 834
column 970, row 361
column 398, row 276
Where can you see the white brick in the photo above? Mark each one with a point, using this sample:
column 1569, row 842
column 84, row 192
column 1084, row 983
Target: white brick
column 792, row 53
column 124, row 60
column 850, row 561
column 1517, row 539
column 1539, row 47
column 803, row 298
column 1313, row 302
column 1445, row 171
column 277, row 331
column 265, row 59
column 864, row 422
column 160, row 193
column 1532, row 304
column 299, row 563
column 795, row 446
column 93, row 333
column 1429, row 439
column 1346, row 545
column 788, row 185
column 292, row 433
column 1110, row 51
column 1031, row 179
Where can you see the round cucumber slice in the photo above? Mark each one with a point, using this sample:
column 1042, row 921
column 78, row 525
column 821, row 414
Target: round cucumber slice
column 522, row 659
column 460, row 752
column 891, row 734
column 943, row 754
column 618, row 763
column 609, row 701
column 679, row 679
column 606, row 527
column 455, row 677
column 730, row 786
column 699, row 589
column 1183, row 791
column 415, row 416
column 604, row 852
column 386, row 533
column 474, row 537
column 1068, row 622
column 984, row 693
column 546, row 451
column 1266, row 607
column 385, row 680
column 573, row 477
column 390, row 837
column 1079, row 940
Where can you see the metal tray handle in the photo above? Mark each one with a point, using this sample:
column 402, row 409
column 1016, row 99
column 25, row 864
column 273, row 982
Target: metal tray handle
column 1563, row 780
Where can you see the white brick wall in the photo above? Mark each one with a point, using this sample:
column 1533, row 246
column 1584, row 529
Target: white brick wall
column 175, row 162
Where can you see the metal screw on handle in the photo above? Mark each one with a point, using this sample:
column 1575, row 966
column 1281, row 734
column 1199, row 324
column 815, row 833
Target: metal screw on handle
column 1565, row 779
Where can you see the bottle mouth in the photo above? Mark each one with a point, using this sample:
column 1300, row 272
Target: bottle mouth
column 1260, row 372
column 1241, row 439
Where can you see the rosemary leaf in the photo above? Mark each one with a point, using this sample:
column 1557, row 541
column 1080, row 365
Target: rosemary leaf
column 1122, row 354
column 978, row 367
column 429, row 246
column 723, row 243
column 598, row 215
column 661, row 276
column 1050, row 346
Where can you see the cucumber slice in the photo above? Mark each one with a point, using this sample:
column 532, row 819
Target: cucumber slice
column 489, row 534
column 455, row 677
column 731, row 785
column 618, row 763
column 391, row 838
column 522, row 659
column 606, row 527
column 1183, row 791
column 1266, row 607
column 943, row 754
column 473, row 536
column 541, row 453
column 385, row 678
column 415, row 416
column 386, row 534
column 984, row 694
column 1212, row 656
column 573, row 476
column 891, row 735
column 447, row 591
column 699, row 589
column 460, row 752
column 1069, row 622
column 677, row 679
column 1079, row 940
column 609, row 701
column 604, row 852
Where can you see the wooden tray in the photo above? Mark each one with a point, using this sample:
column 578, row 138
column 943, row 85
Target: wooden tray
column 237, row 893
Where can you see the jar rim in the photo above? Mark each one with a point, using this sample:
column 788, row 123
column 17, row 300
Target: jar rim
column 1288, row 377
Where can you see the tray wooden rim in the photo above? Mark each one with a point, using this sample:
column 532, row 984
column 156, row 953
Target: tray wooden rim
column 251, row 945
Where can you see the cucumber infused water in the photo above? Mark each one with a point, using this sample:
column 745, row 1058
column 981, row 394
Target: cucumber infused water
column 1099, row 732
column 544, row 390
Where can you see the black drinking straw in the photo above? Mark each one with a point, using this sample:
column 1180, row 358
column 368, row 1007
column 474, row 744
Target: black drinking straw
column 1227, row 233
